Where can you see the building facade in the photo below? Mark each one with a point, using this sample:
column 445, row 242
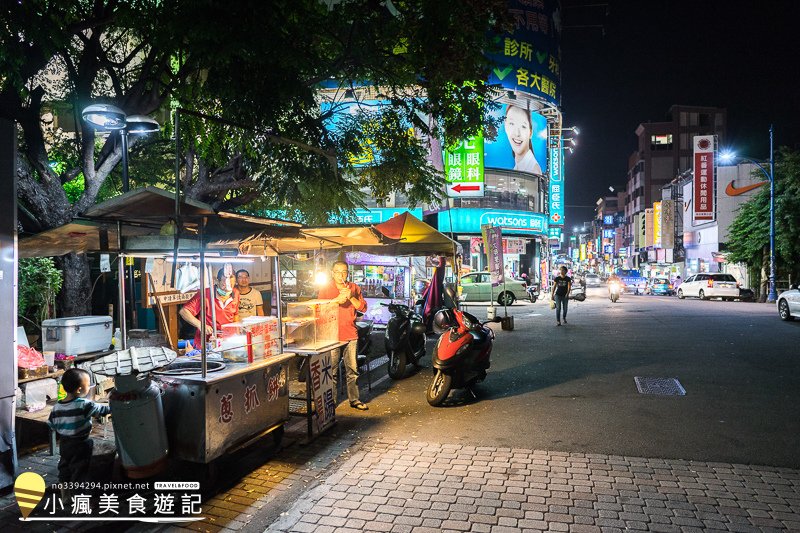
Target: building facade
column 664, row 152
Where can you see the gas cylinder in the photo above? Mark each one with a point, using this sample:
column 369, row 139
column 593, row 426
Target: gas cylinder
column 138, row 418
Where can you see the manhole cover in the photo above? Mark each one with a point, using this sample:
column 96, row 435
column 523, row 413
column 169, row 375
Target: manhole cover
column 660, row 386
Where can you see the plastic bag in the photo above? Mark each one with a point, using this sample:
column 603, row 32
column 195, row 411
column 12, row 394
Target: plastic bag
column 552, row 304
column 28, row 357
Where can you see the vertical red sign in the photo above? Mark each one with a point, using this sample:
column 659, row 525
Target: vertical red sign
column 704, row 209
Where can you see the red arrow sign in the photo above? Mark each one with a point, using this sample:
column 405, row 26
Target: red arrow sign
column 459, row 187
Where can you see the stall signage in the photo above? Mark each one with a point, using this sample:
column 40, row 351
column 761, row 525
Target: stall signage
column 321, row 369
column 704, row 152
column 376, row 215
column 556, row 187
column 470, row 220
column 608, row 220
column 463, row 167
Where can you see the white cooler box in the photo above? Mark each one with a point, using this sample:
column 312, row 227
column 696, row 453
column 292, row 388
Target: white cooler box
column 76, row 335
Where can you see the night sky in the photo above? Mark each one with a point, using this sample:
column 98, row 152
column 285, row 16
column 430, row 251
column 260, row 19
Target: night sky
column 740, row 55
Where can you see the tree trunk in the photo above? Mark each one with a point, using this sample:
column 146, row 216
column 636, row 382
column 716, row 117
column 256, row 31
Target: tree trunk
column 75, row 298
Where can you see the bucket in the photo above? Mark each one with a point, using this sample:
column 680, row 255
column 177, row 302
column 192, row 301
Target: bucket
column 490, row 312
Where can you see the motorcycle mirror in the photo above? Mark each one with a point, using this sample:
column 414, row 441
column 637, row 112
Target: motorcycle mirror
column 497, row 319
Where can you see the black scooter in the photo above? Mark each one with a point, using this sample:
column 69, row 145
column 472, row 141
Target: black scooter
column 364, row 344
column 404, row 338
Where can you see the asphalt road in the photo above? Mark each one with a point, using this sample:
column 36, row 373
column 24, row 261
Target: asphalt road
column 572, row 388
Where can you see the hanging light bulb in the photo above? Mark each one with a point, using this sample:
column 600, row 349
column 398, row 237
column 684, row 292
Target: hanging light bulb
column 321, row 275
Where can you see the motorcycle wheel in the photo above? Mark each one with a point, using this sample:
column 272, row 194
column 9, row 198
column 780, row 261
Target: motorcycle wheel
column 580, row 297
column 614, row 298
column 397, row 365
column 532, row 299
column 439, row 388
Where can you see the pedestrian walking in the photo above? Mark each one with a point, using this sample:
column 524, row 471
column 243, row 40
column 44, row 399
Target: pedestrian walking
column 562, row 285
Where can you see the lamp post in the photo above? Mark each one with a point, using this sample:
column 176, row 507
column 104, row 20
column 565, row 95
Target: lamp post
column 772, row 295
column 106, row 117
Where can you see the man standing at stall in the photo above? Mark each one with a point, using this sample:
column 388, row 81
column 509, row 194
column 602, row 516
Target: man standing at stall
column 350, row 299
column 250, row 301
column 225, row 302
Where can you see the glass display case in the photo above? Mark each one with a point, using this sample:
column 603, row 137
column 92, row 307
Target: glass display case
column 250, row 340
column 311, row 325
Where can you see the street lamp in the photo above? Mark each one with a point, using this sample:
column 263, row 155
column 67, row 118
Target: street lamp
column 772, row 295
column 111, row 118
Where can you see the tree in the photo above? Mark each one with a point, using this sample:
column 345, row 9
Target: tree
column 749, row 233
column 255, row 66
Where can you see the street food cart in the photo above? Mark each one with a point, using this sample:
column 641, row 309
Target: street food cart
column 210, row 407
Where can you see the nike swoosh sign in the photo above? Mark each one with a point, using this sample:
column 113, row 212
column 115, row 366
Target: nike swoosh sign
column 730, row 190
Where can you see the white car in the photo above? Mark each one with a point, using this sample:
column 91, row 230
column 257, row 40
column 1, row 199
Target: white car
column 710, row 285
column 789, row 303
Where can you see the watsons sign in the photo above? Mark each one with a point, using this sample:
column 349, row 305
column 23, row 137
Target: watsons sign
column 469, row 220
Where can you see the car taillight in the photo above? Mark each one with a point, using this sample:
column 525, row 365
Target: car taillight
column 710, row 283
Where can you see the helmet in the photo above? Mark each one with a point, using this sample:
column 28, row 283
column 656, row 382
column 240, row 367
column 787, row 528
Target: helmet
column 442, row 319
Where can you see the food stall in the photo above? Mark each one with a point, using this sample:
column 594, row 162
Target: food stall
column 211, row 406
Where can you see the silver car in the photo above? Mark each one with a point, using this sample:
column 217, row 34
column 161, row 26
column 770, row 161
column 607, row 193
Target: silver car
column 477, row 287
column 789, row 303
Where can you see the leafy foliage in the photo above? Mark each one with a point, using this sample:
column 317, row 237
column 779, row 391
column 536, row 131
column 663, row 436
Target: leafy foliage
column 749, row 232
column 39, row 283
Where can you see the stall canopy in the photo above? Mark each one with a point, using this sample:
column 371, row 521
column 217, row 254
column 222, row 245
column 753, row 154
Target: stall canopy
column 307, row 240
column 414, row 237
column 143, row 212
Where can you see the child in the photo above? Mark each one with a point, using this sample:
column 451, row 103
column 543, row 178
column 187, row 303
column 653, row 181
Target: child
column 71, row 418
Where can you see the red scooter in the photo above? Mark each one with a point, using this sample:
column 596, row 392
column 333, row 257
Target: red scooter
column 461, row 356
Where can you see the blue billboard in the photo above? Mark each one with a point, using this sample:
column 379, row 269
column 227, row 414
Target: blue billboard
column 470, row 220
column 521, row 141
column 529, row 58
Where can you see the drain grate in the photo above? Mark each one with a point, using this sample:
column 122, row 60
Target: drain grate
column 659, row 386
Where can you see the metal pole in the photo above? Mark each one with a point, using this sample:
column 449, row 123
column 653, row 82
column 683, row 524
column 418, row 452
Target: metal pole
column 125, row 188
column 123, row 327
column 203, row 302
column 177, row 236
column 772, row 296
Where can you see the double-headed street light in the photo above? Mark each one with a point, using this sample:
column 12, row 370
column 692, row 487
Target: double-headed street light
column 111, row 118
column 107, row 117
column 772, row 295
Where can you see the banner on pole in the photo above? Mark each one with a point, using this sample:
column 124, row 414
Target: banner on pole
column 493, row 241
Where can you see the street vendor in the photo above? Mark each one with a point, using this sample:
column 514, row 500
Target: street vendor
column 250, row 301
column 350, row 299
column 225, row 301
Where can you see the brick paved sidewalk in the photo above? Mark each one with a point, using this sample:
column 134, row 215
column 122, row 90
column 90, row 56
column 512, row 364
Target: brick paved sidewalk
column 401, row 486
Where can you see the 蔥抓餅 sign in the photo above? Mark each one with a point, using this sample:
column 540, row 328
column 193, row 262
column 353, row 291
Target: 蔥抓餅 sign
column 376, row 215
column 470, row 220
column 463, row 167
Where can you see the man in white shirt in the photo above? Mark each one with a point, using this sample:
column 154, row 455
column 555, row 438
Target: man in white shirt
column 250, row 301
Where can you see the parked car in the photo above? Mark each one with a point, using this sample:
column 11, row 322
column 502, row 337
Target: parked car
column 477, row 287
column 710, row 285
column 789, row 303
column 660, row 286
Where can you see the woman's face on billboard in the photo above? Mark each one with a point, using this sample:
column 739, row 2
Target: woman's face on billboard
column 518, row 129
